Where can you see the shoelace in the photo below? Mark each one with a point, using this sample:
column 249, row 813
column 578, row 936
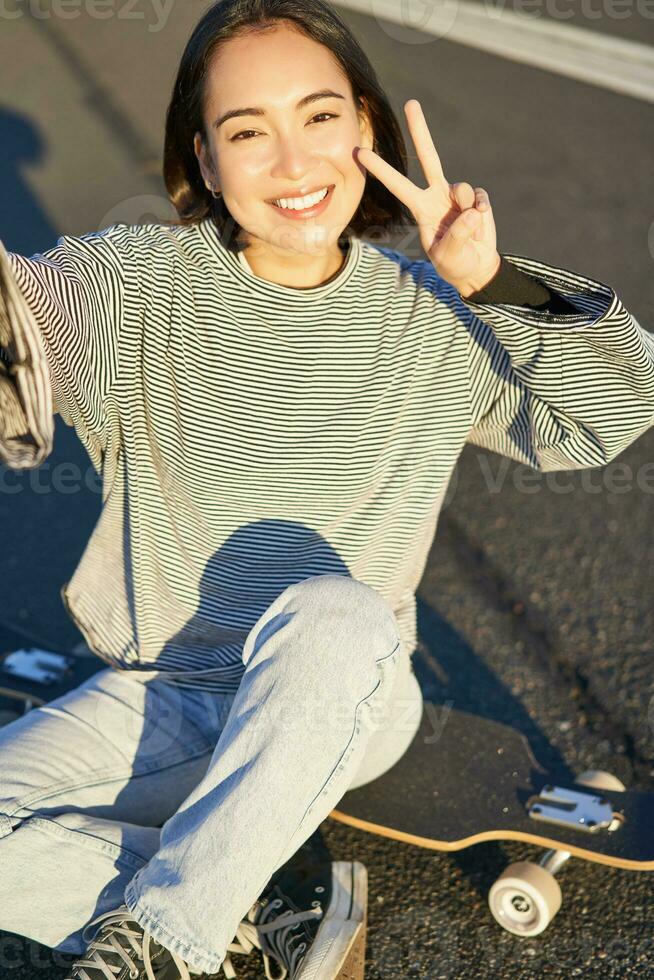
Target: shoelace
column 244, row 942
column 281, row 925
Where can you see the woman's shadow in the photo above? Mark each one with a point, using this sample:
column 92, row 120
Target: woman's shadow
column 240, row 581
column 24, row 224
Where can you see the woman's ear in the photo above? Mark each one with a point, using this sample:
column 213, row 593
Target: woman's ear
column 365, row 124
column 204, row 161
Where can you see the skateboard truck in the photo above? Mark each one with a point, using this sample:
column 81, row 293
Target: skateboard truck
column 572, row 808
column 33, row 676
column 38, row 666
column 429, row 799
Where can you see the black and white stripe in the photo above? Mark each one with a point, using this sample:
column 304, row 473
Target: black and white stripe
column 250, row 435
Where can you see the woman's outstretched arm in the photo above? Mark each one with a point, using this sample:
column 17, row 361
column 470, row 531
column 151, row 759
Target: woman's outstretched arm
column 558, row 391
column 61, row 315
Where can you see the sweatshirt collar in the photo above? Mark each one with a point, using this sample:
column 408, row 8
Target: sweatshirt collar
column 239, row 269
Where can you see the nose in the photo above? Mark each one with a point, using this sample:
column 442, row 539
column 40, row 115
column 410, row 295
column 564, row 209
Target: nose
column 293, row 160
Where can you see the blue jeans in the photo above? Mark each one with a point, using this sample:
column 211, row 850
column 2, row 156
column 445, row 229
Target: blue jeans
column 182, row 803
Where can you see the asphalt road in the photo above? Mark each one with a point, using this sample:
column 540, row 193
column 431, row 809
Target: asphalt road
column 536, row 605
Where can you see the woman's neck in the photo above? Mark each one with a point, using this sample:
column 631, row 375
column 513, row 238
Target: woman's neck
column 301, row 272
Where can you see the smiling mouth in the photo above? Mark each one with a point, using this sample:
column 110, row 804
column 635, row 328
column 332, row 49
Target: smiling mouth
column 311, row 207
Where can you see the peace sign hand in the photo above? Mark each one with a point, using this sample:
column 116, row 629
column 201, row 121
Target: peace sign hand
column 456, row 225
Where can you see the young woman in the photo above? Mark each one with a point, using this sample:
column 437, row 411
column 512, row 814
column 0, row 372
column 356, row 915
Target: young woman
column 275, row 406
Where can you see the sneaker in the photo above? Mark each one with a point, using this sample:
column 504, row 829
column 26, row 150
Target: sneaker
column 311, row 920
column 123, row 950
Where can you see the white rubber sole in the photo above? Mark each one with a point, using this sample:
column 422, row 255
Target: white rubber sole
column 339, row 952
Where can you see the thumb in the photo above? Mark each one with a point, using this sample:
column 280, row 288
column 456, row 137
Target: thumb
column 465, row 225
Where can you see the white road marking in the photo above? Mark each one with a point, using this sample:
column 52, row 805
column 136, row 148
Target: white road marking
column 616, row 64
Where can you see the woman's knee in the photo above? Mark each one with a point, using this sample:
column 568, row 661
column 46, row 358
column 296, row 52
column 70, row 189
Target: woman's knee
column 333, row 619
column 348, row 602
column 348, row 611
column 394, row 723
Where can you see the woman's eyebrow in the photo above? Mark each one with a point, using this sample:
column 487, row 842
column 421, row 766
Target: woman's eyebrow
column 254, row 111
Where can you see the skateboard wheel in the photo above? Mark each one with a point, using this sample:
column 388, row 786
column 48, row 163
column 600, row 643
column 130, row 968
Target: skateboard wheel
column 600, row 779
column 525, row 898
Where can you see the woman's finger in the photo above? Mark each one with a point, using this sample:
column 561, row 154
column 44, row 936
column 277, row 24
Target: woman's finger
column 427, row 154
column 482, row 200
column 479, row 233
column 482, row 203
column 464, row 194
column 399, row 185
column 464, row 226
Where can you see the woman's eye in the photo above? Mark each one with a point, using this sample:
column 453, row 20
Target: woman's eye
column 330, row 115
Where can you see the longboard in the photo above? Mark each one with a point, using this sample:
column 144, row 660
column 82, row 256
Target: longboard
column 479, row 781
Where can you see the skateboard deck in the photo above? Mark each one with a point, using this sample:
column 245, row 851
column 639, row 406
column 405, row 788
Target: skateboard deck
column 479, row 781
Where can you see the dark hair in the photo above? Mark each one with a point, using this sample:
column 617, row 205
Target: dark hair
column 318, row 20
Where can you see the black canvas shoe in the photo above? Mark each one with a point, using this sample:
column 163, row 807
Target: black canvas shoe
column 311, row 919
column 123, row 950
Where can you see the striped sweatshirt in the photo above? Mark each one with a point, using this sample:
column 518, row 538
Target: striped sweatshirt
column 249, row 435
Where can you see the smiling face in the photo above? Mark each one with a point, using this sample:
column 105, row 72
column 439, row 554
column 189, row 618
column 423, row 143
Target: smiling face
column 292, row 146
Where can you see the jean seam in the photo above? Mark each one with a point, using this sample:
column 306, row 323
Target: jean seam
column 388, row 656
column 115, row 851
column 106, row 776
column 356, row 730
column 145, row 913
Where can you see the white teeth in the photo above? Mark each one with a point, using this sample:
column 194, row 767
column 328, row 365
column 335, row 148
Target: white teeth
column 301, row 203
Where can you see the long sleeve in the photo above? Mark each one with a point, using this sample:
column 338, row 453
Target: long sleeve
column 558, row 391
column 64, row 309
column 26, row 423
column 512, row 285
